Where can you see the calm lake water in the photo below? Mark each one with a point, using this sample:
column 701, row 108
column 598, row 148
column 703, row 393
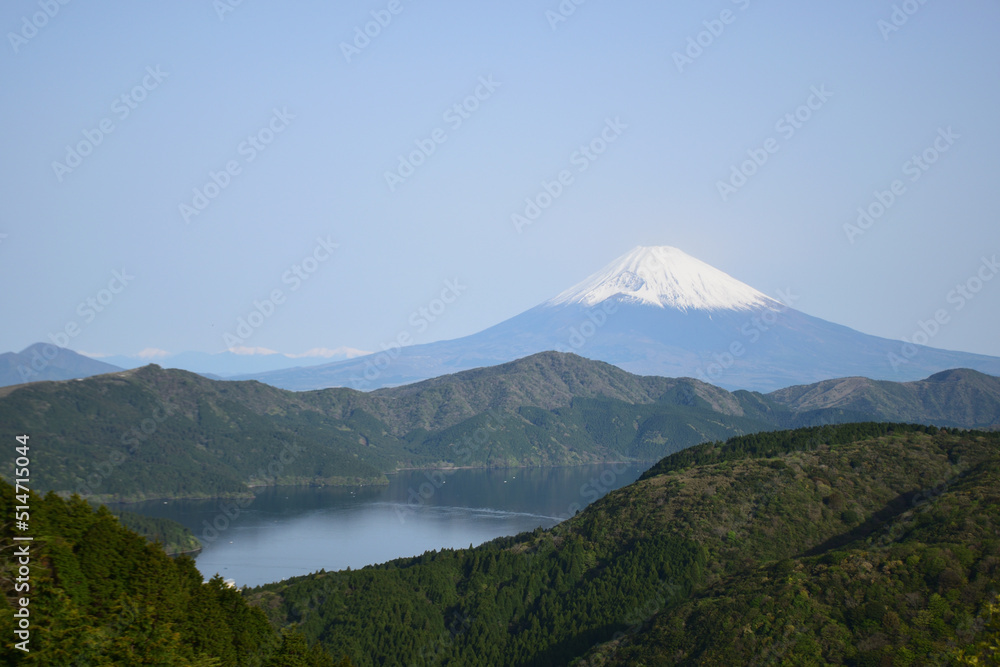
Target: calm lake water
column 290, row 531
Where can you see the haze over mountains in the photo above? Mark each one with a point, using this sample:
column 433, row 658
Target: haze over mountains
column 657, row 311
column 653, row 311
column 237, row 361
column 42, row 361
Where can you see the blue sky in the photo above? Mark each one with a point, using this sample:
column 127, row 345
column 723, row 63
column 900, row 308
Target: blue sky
column 206, row 88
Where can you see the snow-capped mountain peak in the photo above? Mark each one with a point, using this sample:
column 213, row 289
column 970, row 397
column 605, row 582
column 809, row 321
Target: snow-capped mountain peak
column 665, row 277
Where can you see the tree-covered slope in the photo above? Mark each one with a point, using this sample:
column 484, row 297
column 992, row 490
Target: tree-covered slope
column 911, row 586
column 170, row 535
column 98, row 594
column 548, row 380
column 150, row 432
column 959, row 397
column 722, row 541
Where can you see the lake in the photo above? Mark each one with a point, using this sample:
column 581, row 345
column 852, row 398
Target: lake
column 289, row 531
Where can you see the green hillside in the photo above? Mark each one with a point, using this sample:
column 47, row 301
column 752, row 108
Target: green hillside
column 857, row 544
column 162, row 433
column 98, row 594
column 961, row 397
column 155, row 433
column 170, row 535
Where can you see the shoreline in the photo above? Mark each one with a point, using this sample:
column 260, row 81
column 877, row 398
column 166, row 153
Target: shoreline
column 518, row 467
column 254, row 490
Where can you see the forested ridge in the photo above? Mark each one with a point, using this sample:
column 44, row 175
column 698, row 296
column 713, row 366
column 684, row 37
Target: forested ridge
column 156, row 433
column 861, row 544
column 857, row 544
column 99, row 595
column 172, row 536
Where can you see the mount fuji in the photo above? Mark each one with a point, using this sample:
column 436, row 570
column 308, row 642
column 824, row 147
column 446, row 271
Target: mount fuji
column 656, row 311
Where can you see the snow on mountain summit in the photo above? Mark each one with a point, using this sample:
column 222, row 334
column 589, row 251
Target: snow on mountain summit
column 666, row 277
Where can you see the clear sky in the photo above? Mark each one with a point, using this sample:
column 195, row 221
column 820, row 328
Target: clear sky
column 116, row 113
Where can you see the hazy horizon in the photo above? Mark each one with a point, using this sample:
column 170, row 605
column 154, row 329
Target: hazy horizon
column 182, row 166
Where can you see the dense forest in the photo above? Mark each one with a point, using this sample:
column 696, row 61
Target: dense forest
column 170, row 535
column 99, row 595
column 859, row 544
column 862, row 544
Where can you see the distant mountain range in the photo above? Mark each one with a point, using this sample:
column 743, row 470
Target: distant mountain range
column 235, row 362
column 656, row 311
column 151, row 432
column 653, row 311
column 43, row 361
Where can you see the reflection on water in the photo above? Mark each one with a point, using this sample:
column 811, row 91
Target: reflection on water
column 286, row 531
